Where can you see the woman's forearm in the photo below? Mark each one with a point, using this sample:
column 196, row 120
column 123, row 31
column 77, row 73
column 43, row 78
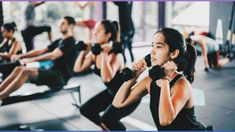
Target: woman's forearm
column 78, row 67
column 166, row 110
column 121, row 97
column 107, row 73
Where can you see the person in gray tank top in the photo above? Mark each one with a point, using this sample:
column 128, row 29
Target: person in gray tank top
column 209, row 49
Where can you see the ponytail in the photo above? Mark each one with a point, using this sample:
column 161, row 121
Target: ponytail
column 190, row 56
column 117, row 26
column 111, row 27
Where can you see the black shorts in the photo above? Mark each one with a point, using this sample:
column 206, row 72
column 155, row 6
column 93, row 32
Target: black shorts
column 213, row 58
column 51, row 77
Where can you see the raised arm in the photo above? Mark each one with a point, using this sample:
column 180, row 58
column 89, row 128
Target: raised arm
column 83, row 61
column 131, row 91
column 35, row 4
column 170, row 106
column 110, row 64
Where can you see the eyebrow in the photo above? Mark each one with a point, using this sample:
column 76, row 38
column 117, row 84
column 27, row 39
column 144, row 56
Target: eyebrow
column 158, row 43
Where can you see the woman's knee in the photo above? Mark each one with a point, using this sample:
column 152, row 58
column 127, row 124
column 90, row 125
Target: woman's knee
column 112, row 123
column 109, row 117
column 24, row 72
column 85, row 110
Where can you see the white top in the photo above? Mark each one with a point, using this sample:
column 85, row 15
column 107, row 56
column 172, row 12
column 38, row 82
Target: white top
column 211, row 44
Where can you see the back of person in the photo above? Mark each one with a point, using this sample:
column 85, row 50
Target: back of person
column 211, row 44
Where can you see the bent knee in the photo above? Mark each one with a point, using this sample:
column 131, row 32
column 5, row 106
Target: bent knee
column 18, row 68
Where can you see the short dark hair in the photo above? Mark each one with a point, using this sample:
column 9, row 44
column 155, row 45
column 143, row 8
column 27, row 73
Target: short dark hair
column 70, row 20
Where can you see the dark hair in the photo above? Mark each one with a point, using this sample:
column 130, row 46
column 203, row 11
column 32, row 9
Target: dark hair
column 187, row 53
column 10, row 26
column 188, row 40
column 70, row 20
column 111, row 27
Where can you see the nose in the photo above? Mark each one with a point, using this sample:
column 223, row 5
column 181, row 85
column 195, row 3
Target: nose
column 153, row 53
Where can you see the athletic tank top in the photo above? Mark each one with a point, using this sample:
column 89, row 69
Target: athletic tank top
column 185, row 120
column 114, row 84
column 6, row 47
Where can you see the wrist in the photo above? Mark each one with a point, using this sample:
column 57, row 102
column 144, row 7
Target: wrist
column 20, row 56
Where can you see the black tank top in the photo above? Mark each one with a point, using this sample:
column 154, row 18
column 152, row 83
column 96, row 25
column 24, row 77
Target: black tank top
column 6, row 47
column 114, row 84
column 185, row 120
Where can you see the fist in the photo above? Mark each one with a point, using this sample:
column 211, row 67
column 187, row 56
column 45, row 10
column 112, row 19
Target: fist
column 15, row 57
column 170, row 67
column 139, row 66
column 106, row 48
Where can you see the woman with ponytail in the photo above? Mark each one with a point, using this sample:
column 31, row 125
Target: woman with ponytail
column 168, row 83
column 108, row 61
column 10, row 45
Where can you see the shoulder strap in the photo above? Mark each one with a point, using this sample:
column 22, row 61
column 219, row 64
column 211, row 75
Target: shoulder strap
column 175, row 79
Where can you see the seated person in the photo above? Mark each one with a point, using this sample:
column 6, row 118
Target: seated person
column 60, row 52
column 10, row 45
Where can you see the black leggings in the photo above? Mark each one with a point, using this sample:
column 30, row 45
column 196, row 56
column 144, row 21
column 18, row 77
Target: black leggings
column 111, row 118
column 7, row 67
column 30, row 32
column 127, row 39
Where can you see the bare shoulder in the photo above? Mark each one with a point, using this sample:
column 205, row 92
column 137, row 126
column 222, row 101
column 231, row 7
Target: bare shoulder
column 182, row 86
column 16, row 42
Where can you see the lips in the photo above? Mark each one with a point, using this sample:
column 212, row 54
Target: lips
column 153, row 59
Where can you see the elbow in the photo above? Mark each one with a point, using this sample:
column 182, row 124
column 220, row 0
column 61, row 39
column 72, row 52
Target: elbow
column 165, row 121
column 52, row 57
column 117, row 104
column 106, row 79
column 77, row 69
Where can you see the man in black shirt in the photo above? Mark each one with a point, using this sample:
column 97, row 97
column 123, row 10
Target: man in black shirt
column 126, row 25
column 60, row 52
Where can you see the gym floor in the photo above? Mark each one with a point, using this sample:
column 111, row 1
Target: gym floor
column 213, row 95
